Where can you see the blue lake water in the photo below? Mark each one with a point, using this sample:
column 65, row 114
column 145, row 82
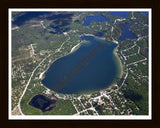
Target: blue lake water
column 144, row 12
column 90, row 68
column 28, row 16
column 96, row 17
column 121, row 14
column 126, row 33
column 146, row 50
column 56, row 28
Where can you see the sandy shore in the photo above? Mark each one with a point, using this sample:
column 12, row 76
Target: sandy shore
column 41, row 75
column 121, row 66
column 75, row 47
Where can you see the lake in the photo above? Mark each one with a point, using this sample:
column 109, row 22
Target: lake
column 126, row 33
column 84, row 71
column 123, row 14
column 26, row 16
column 144, row 12
column 96, row 17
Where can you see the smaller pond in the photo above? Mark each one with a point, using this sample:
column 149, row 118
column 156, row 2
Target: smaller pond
column 144, row 13
column 56, row 28
column 126, row 33
column 96, row 17
column 43, row 103
column 146, row 50
column 121, row 14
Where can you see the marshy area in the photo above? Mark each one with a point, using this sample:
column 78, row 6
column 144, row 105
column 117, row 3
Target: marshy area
column 43, row 102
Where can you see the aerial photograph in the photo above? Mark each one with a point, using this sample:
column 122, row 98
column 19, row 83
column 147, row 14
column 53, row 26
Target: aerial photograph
column 79, row 63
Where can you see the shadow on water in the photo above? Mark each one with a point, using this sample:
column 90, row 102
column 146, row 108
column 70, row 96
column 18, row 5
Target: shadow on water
column 43, row 103
column 60, row 22
column 28, row 16
column 59, row 16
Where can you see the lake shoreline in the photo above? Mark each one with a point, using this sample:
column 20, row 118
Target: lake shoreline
column 75, row 48
column 115, row 51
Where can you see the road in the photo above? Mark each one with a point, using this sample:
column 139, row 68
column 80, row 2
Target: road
column 19, row 103
column 32, row 52
column 32, row 49
column 59, row 49
column 104, row 93
column 85, row 110
column 41, row 22
column 75, row 107
column 137, row 61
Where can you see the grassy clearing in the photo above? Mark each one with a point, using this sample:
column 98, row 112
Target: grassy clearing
column 63, row 107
